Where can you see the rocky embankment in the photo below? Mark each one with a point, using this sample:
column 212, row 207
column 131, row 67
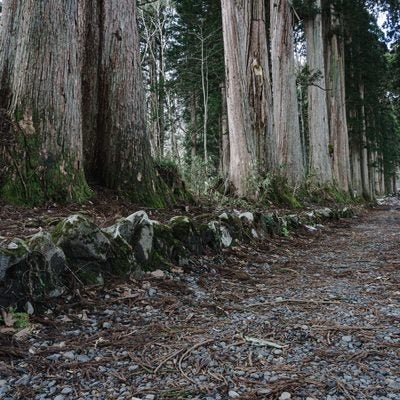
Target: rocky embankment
column 77, row 251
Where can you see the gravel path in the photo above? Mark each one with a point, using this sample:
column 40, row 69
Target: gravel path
column 313, row 316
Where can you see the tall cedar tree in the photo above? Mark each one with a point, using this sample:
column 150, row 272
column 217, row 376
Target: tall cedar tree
column 75, row 100
column 42, row 149
column 249, row 95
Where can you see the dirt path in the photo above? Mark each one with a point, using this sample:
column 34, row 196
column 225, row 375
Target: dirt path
column 314, row 316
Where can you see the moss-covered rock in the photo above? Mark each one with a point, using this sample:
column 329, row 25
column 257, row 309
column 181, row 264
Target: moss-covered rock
column 50, row 261
column 250, row 225
column 167, row 249
column 123, row 228
column 307, row 217
column 270, row 224
column 88, row 250
column 134, row 234
column 323, row 214
column 184, row 230
column 35, row 268
column 93, row 253
column 12, row 254
column 122, row 259
column 247, row 218
column 231, row 223
column 209, row 231
column 143, row 236
column 226, row 237
column 81, row 240
column 293, row 221
column 345, row 213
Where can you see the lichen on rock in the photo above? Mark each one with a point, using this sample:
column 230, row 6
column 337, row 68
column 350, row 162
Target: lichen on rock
column 184, row 230
column 81, row 240
column 12, row 254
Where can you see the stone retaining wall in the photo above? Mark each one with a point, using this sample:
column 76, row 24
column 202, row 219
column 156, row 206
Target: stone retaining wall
column 78, row 251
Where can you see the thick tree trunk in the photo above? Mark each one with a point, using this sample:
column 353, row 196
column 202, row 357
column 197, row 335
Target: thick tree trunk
column 355, row 163
column 394, row 182
column 124, row 159
column 364, row 148
column 371, row 172
column 161, row 83
column 224, row 134
column 382, row 181
column 260, row 87
column 153, row 107
column 377, row 175
column 285, row 103
column 248, row 92
column 336, row 98
column 43, row 98
column 90, row 11
column 320, row 162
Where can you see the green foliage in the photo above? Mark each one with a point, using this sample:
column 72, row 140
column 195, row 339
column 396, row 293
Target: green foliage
column 196, row 41
column 20, row 320
column 313, row 193
column 276, row 189
column 307, row 77
column 201, row 177
column 305, row 8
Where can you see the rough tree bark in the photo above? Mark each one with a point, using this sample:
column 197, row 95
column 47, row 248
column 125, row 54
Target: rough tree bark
column 285, row 104
column 336, row 97
column 116, row 142
column 320, row 163
column 224, row 134
column 365, row 183
column 43, row 100
column 90, row 31
column 124, row 159
column 248, row 92
column 355, row 164
column 86, row 77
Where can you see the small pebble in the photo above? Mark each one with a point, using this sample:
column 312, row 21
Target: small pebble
column 29, row 308
column 285, row 396
column 347, row 339
column 264, row 391
column 70, row 355
column 24, row 380
column 82, row 358
column 54, row 357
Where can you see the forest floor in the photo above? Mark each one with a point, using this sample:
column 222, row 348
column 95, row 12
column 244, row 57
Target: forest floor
column 104, row 208
column 311, row 316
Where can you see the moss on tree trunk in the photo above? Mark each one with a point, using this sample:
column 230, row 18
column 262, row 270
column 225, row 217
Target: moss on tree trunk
column 41, row 148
